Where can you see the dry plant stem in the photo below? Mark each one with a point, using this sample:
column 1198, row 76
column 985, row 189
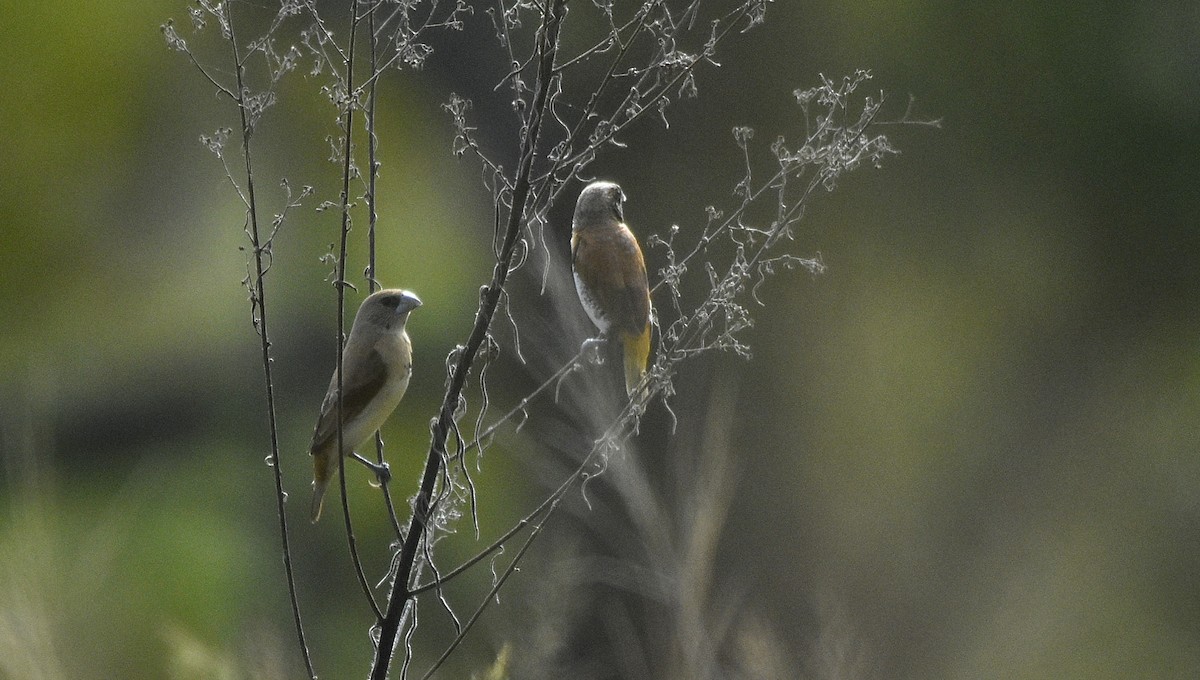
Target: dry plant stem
column 372, row 170
column 548, row 504
column 347, row 126
column 524, row 522
column 680, row 350
column 588, row 110
column 695, row 325
column 512, row 567
column 418, row 526
column 650, row 104
column 477, row 442
column 608, row 42
column 707, row 238
column 618, row 430
column 259, row 300
column 373, row 217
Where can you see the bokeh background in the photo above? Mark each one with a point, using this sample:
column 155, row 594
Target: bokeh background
column 966, row 450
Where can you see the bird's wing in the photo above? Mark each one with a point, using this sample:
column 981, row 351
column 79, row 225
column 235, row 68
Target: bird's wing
column 611, row 266
column 635, row 286
column 364, row 379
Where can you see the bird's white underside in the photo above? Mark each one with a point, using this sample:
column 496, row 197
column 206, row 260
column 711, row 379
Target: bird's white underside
column 590, row 306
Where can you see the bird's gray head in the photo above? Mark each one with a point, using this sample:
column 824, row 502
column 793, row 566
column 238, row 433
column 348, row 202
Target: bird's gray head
column 386, row 307
column 598, row 203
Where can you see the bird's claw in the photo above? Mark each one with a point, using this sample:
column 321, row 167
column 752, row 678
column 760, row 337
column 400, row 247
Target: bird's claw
column 590, row 349
column 383, row 472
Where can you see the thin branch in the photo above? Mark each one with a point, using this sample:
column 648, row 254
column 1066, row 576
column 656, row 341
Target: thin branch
column 418, row 526
column 607, row 43
column 622, row 426
column 687, row 340
column 348, row 129
column 326, row 35
column 466, row 628
column 178, row 43
column 259, row 300
column 373, row 218
column 611, row 132
column 477, row 442
column 521, row 524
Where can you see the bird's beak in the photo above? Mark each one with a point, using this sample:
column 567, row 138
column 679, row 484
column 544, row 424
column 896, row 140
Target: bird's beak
column 408, row 302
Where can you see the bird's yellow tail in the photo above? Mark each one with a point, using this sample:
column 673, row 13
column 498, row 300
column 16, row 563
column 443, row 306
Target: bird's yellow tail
column 322, row 471
column 637, row 357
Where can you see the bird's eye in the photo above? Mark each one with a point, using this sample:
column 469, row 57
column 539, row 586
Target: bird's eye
column 618, row 197
column 390, row 301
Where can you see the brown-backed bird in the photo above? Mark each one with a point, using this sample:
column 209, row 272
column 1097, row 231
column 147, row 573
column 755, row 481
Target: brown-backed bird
column 610, row 275
column 376, row 363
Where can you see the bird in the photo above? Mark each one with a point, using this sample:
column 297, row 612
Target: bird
column 377, row 364
column 610, row 275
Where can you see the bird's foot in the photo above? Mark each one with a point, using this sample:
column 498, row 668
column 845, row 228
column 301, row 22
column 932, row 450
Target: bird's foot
column 590, row 349
column 383, row 473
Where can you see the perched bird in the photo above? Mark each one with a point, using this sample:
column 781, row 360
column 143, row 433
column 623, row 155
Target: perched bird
column 377, row 363
column 610, row 275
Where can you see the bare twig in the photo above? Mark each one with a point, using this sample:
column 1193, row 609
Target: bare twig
column 348, row 129
column 373, row 218
column 259, row 303
column 400, row 594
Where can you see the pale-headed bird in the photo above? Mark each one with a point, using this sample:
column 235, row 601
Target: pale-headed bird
column 377, row 363
column 610, row 275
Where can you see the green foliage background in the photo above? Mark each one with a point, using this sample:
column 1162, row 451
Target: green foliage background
column 976, row 433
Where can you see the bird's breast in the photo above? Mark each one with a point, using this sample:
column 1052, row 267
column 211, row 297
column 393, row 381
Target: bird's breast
column 591, row 304
column 396, row 352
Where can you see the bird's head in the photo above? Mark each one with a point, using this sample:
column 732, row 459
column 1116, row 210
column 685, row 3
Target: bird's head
column 386, row 307
column 599, row 202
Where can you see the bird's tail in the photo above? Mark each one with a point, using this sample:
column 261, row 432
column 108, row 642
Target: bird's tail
column 637, row 356
column 322, row 471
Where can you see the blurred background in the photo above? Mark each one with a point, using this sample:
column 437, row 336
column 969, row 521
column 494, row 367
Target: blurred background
column 966, row 450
